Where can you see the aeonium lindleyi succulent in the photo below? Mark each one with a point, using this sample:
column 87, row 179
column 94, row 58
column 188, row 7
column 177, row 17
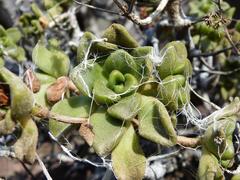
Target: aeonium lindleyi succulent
column 19, row 112
column 33, row 22
column 37, row 20
column 219, row 140
column 174, row 70
column 218, row 143
column 112, row 81
column 218, row 149
column 109, row 75
column 210, row 30
column 9, row 39
column 113, row 75
column 210, row 34
column 111, row 71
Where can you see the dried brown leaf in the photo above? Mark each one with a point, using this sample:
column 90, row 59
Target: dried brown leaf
column 86, row 132
column 56, row 91
column 32, row 81
column 44, row 22
column 4, row 95
column 72, row 87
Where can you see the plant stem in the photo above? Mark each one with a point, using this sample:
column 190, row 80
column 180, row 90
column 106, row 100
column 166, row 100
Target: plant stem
column 188, row 142
column 43, row 112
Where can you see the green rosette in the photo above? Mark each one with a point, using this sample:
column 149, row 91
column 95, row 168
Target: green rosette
column 174, row 71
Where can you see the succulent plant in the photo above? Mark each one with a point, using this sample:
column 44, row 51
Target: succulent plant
column 114, row 80
column 124, row 93
column 123, row 99
column 9, row 39
column 211, row 31
column 218, row 139
column 174, row 71
column 218, row 146
column 21, row 96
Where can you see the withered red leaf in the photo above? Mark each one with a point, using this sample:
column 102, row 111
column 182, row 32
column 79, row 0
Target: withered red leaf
column 4, row 95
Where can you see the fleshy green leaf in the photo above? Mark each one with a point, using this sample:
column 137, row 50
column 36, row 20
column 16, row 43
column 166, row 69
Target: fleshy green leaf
column 21, row 96
column 173, row 92
column 48, row 3
column 209, row 168
column 55, row 11
column 8, row 40
column 54, row 63
column 174, row 60
column 155, row 123
column 117, row 34
column 229, row 151
column 236, row 177
column 127, row 108
column 120, row 83
column 7, row 125
column 149, row 88
column 143, row 58
column 77, row 106
column 84, row 46
column 108, row 131
column 103, row 48
column 44, row 78
column 128, row 160
column 179, row 48
column 25, row 147
column 102, row 94
column 227, row 163
column 84, row 77
column 36, row 10
column 3, row 32
column 14, row 34
column 90, row 44
column 16, row 53
column 122, row 61
column 223, row 130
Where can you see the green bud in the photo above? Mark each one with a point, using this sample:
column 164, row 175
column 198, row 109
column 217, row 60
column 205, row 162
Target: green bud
column 116, row 81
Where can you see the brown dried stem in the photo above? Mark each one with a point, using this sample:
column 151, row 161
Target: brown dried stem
column 172, row 7
column 43, row 112
column 188, row 142
column 136, row 19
